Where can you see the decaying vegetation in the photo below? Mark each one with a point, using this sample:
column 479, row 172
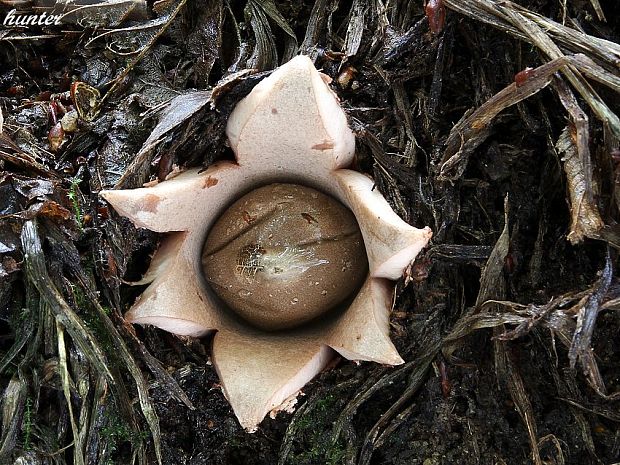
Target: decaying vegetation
column 493, row 122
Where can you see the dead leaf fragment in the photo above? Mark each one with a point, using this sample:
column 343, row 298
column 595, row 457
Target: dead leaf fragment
column 585, row 218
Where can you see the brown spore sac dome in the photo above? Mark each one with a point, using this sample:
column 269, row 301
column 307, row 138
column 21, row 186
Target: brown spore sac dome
column 283, row 255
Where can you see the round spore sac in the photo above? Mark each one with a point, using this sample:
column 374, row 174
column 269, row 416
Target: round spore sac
column 283, row 255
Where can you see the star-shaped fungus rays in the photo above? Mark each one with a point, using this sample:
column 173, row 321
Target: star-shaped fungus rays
column 289, row 129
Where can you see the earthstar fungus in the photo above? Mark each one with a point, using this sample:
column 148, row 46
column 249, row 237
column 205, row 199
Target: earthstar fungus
column 289, row 129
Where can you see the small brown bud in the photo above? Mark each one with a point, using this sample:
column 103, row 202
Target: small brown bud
column 56, row 137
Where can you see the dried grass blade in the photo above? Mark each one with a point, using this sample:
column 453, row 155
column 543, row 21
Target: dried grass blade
column 143, row 395
column 293, row 426
column 13, row 400
column 537, row 315
column 573, row 39
column 36, row 273
column 96, row 446
column 585, row 218
column 166, row 380
column 457, row 253
column 581, row 133
column 23, row 335
column 271, row 10
column 567, row 386
column 153, row 23
column 265, row 54
column 78, row 457
column 80, row 372
column 493, row 286
column 590, row 368
column 490, row 12
column 299, row 418
column 141, row 385
column 371, row 386
column 612, row 415
column 508, row 371
column 542, row 40
column 594, row 71
column 321, row 13
column 492, row 281
column 403, row 105
column 598, row 10
column 471, row 323
column 484, row 11
column 355, row 28
column 474, row 127
column 586, row 318
column 389, row 421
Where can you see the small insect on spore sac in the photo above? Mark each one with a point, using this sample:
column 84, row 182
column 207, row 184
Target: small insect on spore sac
column 261, row 268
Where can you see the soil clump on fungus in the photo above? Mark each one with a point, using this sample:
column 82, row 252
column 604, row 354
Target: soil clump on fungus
column 495, row 123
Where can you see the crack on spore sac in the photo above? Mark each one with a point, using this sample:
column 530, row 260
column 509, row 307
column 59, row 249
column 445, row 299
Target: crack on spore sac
column 277, row 262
